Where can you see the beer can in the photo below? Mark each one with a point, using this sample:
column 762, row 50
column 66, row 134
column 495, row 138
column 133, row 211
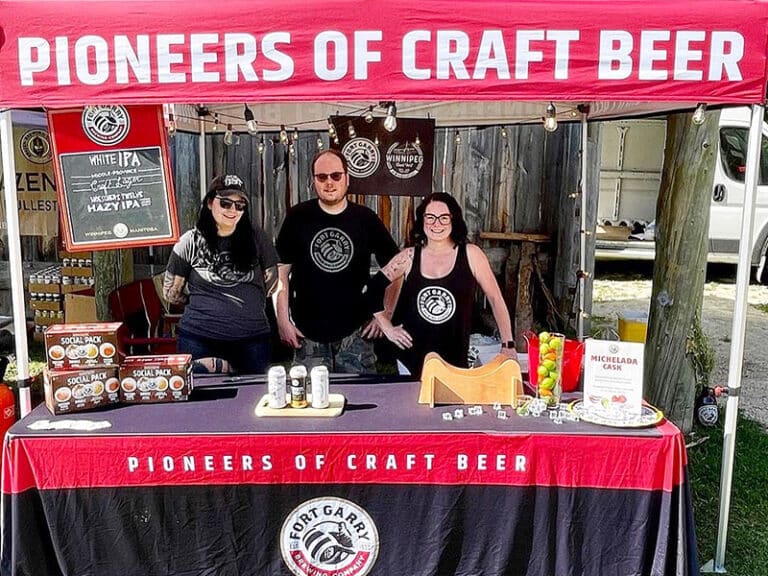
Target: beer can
column 298, row 386
column 276, row 387
column 319, row 378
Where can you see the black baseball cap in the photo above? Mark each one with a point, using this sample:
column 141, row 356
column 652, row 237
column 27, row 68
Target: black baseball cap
column 228, row 185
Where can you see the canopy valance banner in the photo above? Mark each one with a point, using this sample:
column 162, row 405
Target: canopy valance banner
column 114, row 181
column 397, row 163
column 58, row 52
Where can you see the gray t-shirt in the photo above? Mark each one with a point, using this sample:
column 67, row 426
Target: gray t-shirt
column 224, row 303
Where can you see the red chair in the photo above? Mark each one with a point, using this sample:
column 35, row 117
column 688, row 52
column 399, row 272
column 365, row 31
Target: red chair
column 147, row 329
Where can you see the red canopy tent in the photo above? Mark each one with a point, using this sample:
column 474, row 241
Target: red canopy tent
column 620, row 57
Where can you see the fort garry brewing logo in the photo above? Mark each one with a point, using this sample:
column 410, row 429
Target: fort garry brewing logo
column 329, row 537
column 331, row 250
column 435, row 304
column 106, row 125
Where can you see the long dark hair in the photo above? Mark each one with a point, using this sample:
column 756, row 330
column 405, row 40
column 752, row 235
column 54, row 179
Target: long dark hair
column 458, row 226
column 243, row 246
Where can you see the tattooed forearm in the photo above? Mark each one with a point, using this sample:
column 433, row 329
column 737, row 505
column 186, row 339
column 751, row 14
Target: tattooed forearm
column 270, row 280
column 173, row 288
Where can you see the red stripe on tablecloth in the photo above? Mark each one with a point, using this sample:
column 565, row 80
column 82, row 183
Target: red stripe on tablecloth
column 621, row 462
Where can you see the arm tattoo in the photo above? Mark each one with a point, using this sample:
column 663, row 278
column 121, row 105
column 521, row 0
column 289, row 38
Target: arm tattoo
column 173, row 288
column 270, row 280
column 399, row 264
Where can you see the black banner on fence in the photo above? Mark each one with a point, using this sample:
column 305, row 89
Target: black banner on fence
column 397, row 163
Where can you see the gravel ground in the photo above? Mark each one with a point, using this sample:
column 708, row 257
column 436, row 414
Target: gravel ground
column 615, row 295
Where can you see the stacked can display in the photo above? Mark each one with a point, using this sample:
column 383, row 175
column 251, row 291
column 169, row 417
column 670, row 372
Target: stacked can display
column 550, row 369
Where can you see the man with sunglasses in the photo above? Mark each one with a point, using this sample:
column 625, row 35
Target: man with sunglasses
column 325, row 247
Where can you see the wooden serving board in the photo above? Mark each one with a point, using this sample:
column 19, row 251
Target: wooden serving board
column 335, row 408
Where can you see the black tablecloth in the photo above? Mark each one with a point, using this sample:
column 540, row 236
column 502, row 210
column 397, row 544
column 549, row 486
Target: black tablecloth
column 389, row 487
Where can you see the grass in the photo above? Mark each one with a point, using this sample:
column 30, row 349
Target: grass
column 746, row 551
column 747, row 543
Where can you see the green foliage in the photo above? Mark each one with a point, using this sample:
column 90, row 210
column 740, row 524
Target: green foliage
column 746, row 550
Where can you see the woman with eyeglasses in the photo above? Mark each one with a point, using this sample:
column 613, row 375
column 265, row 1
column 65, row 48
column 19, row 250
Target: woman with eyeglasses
column 440, row 272
column 224, row 269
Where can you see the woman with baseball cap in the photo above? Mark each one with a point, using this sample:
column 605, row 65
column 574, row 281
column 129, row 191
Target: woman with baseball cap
column 224, row 269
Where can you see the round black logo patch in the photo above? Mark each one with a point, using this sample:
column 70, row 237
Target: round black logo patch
column 363, row 157
column 35, row 146
column 331, row 250
column 404, row 161
column 106, row 125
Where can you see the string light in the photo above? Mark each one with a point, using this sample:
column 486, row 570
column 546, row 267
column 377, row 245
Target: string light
column 292, row 149
column 376, row 140
column 331, row 129
column 417, row 142
column 504, row 132
column 295, row 136
column 698, row 114
column 215, row 121
column 320, row 144
column 336, row 140
column 369, row 115
column 390, row 122
column 283, row 135
column 229, row 137
column 351, row 131
column 457, row 138
column 550, row 118
column 171, row 125
column 250, row 122
column 260, row 147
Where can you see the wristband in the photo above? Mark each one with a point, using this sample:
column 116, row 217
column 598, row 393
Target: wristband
column 508, row 344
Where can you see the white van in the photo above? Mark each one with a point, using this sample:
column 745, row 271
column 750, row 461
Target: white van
column 632, row 156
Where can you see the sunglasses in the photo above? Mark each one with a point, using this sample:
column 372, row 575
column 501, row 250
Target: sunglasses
column 335, row 176
column 444, row 219
column 226, row 203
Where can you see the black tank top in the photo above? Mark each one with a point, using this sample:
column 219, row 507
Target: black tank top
column 437, row 313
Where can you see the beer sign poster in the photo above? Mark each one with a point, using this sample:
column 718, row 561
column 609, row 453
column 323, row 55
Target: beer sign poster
column 397, row 163
column 113, row 179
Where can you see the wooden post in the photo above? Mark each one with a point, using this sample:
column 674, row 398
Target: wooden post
column 682, row 220
column 111, row 269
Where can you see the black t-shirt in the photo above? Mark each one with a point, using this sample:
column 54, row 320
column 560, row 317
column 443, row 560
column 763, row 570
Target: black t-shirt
column 437, row 313
column 224, row 303
column 330, row 258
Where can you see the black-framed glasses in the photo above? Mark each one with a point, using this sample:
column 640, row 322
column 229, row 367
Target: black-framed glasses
column 444, row 219
column 335, row 176
column 226, row 203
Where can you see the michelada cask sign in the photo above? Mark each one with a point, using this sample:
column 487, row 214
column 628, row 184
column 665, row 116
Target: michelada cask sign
column 613, row 377
column 114, row 183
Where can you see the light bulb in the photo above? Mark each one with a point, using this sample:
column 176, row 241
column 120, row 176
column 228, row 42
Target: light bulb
column 319, row 143
column 503, row 131
column 698, row 114
column 283, row 136
column 260, row 147
column 331, row 129
column 457, row 139
column 171, row 125
column 351, row 131
column 417, row 142
column 292, row 149
column 229, row 137
column 336, row 140
column 250, row 121
column 550, row 118
column 390, row 122
column 368, row 116
column 295, row 135
column 215, row 121
column 376, row 140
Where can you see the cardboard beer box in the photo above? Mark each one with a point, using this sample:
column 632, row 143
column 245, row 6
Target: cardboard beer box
column 78, row 346
column 76, row 390
column 159, row 378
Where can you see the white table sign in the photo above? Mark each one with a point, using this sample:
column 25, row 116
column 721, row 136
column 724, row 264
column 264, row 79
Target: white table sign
column 613, row 377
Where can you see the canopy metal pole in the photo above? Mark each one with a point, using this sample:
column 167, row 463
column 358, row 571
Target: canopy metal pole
column 737, row 337
column 201, row 148
column 14, row 262
column 582, row 230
